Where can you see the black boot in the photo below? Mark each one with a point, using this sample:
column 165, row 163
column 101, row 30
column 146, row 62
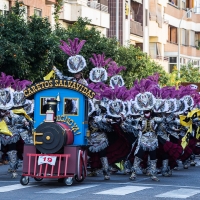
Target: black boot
column 153, row 170
column 104, row 162
column 135, row 168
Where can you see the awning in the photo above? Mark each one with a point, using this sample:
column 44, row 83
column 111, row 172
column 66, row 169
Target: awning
column 139, row 1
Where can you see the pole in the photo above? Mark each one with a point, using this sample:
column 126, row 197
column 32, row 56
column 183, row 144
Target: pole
column 117, row 19
column 179, row 37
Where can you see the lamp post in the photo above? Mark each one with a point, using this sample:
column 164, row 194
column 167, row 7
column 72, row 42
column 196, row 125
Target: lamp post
column 117, row 19
column 179, row 37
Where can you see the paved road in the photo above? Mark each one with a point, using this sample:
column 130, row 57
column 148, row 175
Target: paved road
column 184, row 184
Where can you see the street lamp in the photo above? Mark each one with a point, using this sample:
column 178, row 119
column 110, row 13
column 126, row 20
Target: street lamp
column 117, row 19
column 179, row 36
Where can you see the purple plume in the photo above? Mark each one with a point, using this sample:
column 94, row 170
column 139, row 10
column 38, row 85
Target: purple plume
column 73, row 48
column 113, row 68
column 20, row 85
column 154, row 78
column 98, row 60
column 5, row 81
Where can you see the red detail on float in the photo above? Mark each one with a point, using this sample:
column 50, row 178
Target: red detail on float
column 40, row 171
column 68, row 132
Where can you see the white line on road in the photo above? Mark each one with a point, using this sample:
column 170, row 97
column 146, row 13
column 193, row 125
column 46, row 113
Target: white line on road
column 123, row 190
column 68, row 189
column 141, row 184
column 180, row 193
column 9, row 188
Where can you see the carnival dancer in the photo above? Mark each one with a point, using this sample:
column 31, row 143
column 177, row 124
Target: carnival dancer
column 130, row 126
column 167, row 149
column 98, row 141
column 190, row 140
column 147, row 140
column 98, row 76
column 75, row 63
column 13, row 120
column 118, row 147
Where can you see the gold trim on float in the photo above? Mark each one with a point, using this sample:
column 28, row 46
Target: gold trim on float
column 48, row 137
column 34, row 139
column 52, row 103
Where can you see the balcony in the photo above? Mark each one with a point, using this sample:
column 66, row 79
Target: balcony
column 184, row 50
column 174, row 11
column 50, row 2
column 161, row 60
column 156, row 33
column 136, row 28
column 96, row 12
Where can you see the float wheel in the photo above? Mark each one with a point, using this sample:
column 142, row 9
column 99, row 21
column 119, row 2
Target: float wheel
column 68, row 181
column 24, row 180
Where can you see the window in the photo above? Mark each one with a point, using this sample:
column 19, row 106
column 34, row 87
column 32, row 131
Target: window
column 25, row 11
column 183, row 4
column 172, row 34
column 71, row 106
column 155, row 50
column 171, row 67
column 86, row 109
column 183, row 37
column 192, row 38
column 173, row 59
column 4, row 12
column 38, row 12
column 43, row 104
column 195, row 62
column 173, row 63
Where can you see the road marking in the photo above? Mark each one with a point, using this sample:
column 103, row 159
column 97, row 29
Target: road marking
column 67, row 189
column 180, row 193
column 9, row 188
column 123, row 190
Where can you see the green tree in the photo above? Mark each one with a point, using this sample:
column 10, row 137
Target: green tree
column 138, row 65
column 27, row 49
column 95, row 43
column 189, row 73
column 30, row 49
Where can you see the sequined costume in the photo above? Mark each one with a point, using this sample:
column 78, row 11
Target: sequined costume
column 61, row 76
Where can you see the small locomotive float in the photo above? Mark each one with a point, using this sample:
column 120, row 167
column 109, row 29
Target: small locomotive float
column 60, row 132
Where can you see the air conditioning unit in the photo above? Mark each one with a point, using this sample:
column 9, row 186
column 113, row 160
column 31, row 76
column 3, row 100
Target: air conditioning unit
column 93, row 4
column 189, row 13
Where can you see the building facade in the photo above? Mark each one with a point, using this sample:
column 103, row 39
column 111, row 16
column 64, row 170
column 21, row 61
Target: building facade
column 178, row 15
column 42, row 8
column 95, row 10
column 152, row 25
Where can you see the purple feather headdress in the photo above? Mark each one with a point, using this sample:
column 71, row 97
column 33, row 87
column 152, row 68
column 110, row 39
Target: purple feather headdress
column 117, row 93
column 73, row 48
column 98, row 60
column 5, row 81
column 20, row 85
column 154, row 78
column 99, row 88
column 113, row 68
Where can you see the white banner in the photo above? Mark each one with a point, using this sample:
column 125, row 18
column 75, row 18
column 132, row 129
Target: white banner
column 51, row 160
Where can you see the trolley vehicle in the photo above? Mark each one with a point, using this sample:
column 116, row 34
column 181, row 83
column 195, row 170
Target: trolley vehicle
column 59, row 148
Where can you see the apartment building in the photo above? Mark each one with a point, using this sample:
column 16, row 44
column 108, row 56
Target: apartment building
column 178, row 15
column 155, row 24
column 42, row 8
column 158, row 32
column 95, row 10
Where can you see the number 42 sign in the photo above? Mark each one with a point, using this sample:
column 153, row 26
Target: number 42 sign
column 51, row 160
